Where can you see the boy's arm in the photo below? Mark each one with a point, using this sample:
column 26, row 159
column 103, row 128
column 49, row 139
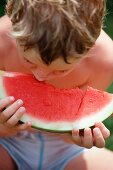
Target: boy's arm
column 5, row 27
column 101, row 63
column 105, row 45
column 10, row 110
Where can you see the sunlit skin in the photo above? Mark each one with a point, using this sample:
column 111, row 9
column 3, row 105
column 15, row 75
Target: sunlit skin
column 91, row 70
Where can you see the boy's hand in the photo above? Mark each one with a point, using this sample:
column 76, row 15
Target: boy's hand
column 10, row 113
column 91, row 137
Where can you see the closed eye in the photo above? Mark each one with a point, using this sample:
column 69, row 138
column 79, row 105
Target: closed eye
column 60, row 71
column 29, row 62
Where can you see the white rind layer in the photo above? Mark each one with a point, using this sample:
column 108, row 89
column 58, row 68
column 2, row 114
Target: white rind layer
column 2, row 91
column 81, row 123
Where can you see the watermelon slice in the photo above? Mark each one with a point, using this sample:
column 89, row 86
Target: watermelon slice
column 53, row 109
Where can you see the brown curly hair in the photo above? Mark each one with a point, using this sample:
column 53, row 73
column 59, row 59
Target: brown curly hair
column 57, row 28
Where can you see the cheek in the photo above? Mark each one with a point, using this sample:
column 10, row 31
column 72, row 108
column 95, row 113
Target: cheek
column 27, row 64
column 58, row 74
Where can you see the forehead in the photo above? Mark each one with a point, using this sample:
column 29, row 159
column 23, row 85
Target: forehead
column 58, row 63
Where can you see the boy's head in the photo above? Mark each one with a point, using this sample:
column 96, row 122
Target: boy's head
column 56, row 28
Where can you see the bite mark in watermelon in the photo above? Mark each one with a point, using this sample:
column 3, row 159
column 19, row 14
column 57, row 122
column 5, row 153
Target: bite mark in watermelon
column 54, row 109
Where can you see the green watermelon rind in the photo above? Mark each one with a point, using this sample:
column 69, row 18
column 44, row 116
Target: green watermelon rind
column 63, row 126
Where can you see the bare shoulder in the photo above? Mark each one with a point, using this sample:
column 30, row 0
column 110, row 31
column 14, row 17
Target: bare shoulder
column 4, row 21
column 102, row 52
column 100, row 62
column 6, row 42
column 105, row 45
column 5, row 26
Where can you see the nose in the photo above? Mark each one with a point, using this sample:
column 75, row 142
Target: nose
column 42, row 72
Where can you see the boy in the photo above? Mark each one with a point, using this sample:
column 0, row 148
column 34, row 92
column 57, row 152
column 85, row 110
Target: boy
column 60, row 42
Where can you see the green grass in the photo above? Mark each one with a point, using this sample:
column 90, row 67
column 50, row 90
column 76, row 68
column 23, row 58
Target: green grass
column 109, row 29
column 2, row 7
column 109, row 124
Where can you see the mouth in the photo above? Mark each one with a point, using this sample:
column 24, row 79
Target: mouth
column 40, row 78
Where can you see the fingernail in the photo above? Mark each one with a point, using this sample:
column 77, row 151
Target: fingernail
column 97, row 131
column 20, row 101
column 11, row 98
column 29, row 123
column 22, row 109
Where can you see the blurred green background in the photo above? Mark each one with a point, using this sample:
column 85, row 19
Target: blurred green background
column 109, row 29
column 2, row 7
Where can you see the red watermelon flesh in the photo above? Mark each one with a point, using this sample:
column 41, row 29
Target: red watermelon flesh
column 56, row 109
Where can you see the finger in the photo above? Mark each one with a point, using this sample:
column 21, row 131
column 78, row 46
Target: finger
column 76, row 137
column 105, row 132
column 16, row 117
column 24, row 126
column 88, row 139
column 6, row 102
column 98, row 138
column 8, row 112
